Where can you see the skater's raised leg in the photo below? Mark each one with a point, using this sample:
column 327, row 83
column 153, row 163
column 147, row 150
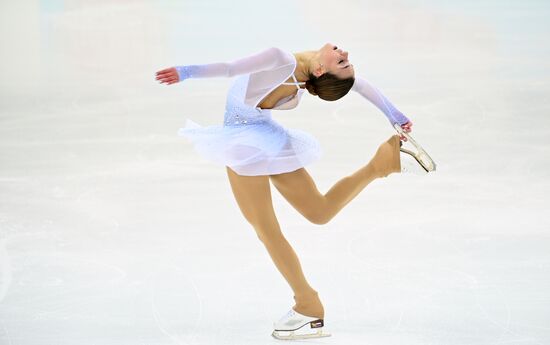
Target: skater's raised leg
column 299, row 189
column 253, row 195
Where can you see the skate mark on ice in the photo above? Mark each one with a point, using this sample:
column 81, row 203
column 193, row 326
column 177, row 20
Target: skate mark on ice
column 158, row 318
column 475, row 286
column 472, row 280
column 387, row 267
column 7, row 333
column 64, row 291
column 5, row 270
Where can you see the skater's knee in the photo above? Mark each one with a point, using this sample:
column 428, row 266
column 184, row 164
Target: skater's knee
column 321, row 220
column 260, row 219
column 270, row 239
column 267, row 232
column 319, row 216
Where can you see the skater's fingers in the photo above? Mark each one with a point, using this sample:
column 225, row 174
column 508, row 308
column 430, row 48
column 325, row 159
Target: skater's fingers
column 407, row 127
column 166, row 70
column 170, row 80
column 164, row 75
column 167, row 75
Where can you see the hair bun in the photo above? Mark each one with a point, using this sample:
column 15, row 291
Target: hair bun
column 311, row 88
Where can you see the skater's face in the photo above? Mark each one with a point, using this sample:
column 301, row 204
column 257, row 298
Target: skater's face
column 335, row 61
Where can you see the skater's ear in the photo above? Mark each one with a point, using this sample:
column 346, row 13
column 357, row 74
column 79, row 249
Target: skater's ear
column 319, row 71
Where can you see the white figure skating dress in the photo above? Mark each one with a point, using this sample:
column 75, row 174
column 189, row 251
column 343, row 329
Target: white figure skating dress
column 249, row 140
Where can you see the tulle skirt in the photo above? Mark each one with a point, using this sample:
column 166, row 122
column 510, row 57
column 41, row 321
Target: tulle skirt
column 250, row 142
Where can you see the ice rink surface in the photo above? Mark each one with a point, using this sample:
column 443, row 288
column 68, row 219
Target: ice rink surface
column 114, row 231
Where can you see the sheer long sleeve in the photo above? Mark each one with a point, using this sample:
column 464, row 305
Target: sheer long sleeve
column 368, row 91
column 261, row 61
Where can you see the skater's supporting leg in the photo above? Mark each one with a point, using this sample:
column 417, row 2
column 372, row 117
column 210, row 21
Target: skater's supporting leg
column 253, row 196
column 299, row 189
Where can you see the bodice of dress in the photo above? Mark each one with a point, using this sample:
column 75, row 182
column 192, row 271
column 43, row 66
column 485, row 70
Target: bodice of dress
column 238, row 112
column 292, row 101
column 262, row 83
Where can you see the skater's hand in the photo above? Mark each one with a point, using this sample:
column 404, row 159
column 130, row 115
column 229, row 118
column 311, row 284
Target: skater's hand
column 168, row 76
column 407, row 129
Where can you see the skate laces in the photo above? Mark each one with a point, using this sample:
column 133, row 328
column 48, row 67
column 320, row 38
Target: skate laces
column 289, row 314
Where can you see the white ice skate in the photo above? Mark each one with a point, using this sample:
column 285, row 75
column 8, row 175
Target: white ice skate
column 294, row 326
column 410, row 164
column 418, row 162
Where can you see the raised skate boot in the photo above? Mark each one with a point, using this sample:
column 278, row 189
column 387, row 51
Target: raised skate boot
column 416, row 160
column 409, row 163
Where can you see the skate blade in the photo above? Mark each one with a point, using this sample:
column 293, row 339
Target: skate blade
column 410, row 153
column 421, row 156
column 296, row 335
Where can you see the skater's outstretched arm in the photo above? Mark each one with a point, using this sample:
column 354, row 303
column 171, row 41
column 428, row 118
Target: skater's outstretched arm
column 368, row 91
column 261, row 61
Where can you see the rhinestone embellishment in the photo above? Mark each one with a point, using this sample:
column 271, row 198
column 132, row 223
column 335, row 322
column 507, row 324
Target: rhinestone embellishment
column 236, row 119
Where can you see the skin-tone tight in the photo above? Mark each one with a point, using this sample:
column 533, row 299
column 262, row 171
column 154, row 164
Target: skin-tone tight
column 253, row 195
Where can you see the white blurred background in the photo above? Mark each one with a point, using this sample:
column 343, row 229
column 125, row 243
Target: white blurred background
column 114, row 231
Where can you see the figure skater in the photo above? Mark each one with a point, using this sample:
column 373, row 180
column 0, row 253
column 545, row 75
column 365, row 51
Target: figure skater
column 255, row 149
